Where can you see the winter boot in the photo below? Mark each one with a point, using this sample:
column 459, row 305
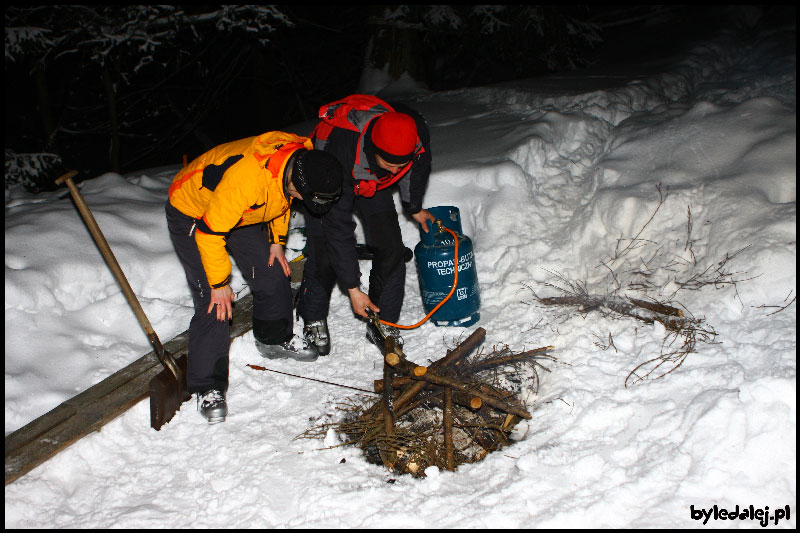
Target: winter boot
column 212, row 405
column 295, row 348
column 316, row 334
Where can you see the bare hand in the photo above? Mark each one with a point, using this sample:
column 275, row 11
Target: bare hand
column 422, row 219
column 222, row 298
column 276, row 252
column 360, row 302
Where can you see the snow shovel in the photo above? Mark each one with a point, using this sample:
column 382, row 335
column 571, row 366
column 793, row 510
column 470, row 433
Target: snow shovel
column 168, row 388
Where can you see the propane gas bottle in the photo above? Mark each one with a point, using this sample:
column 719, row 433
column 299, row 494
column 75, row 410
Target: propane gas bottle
column 435, row 255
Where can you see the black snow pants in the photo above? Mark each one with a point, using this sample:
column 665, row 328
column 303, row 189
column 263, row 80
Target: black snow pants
column 209, row 338
column 378, row 217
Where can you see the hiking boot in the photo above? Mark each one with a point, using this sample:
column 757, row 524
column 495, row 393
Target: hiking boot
column 212, row 405
column 316, row 334
column 375, row 337
column 296, row 348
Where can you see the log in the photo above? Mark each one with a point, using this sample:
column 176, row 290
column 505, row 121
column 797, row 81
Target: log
column 471, row 402
column 460, row 351
column 405, row 366
column 388, row 407
column 392, row 359
column 495, row 392
column 400, row 381
column 479, row 432
column 648, row 312
column 391, row 347
column 400, row 364
column 489, row 400
column 658, row 308
column 453, row 356
column 447, row 421
column 476, row 430
column 388, row 456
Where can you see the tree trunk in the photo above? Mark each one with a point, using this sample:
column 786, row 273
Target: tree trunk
column 393, row 49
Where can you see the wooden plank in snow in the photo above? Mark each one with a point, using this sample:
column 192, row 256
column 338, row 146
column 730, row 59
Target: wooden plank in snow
column 89, row 411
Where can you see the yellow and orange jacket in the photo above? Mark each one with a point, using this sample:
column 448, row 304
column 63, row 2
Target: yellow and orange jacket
column 236, row 184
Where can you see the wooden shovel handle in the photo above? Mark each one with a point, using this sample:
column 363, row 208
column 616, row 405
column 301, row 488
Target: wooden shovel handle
column 105, row 249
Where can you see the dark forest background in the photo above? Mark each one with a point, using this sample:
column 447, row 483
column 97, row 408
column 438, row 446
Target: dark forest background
column 123, row 88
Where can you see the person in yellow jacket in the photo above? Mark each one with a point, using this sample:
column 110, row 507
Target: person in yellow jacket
column 235, row 199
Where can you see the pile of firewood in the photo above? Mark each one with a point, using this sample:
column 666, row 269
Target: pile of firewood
column 450, row 412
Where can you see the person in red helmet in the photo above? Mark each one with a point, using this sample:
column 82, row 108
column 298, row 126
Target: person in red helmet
column 382, row 147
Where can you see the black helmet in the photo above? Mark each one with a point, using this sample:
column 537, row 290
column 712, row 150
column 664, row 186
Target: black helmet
column 317, row 176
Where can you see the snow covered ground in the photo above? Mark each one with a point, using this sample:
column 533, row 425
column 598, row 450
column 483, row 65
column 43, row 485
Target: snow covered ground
column 552, row 176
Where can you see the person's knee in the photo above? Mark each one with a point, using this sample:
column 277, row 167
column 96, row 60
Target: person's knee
column 386, row 241
column 389, row 259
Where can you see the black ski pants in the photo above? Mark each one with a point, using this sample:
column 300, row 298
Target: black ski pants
column 209, row 338
column 378, row 216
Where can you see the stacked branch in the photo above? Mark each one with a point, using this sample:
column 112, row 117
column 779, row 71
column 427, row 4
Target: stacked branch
column 683, row 332
column 454, row 411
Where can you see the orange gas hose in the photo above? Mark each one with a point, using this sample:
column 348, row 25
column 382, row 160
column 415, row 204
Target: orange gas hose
column 452, row 290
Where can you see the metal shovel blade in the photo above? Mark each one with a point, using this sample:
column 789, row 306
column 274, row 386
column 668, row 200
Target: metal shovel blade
column 168, row 388
column 167, row 394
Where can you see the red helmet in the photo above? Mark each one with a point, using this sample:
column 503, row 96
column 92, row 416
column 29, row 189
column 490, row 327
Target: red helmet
column 394, row 137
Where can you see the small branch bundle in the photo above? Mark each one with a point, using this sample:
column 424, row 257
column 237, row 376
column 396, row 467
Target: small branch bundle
column 451, row 412
column 646, row 267
column 679, row 326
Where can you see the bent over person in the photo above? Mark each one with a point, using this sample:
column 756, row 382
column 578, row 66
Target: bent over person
column 235, row 199
column 379, row 146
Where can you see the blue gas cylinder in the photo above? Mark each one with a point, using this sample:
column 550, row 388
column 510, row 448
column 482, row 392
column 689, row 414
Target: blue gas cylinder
column 435, row 259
